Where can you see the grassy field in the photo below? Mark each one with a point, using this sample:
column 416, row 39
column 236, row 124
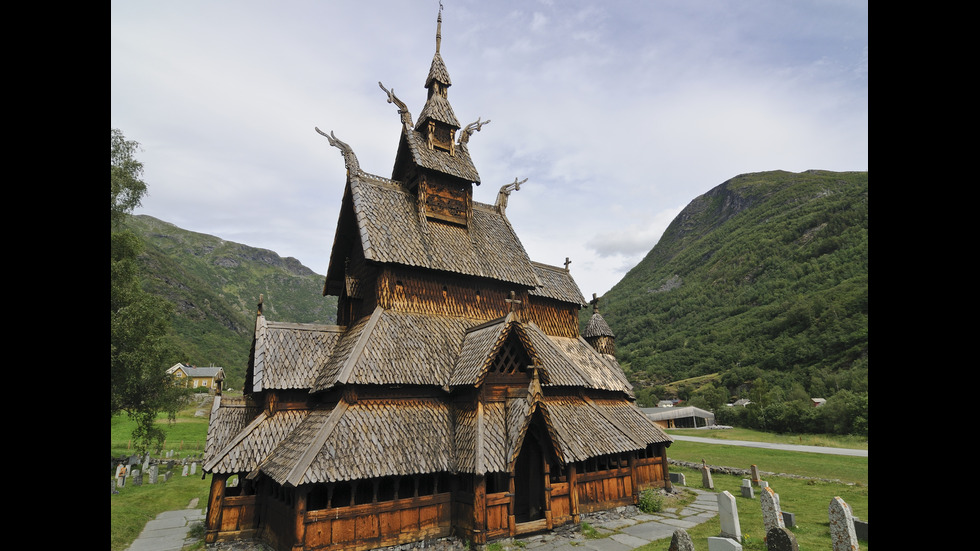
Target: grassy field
column 133, row 507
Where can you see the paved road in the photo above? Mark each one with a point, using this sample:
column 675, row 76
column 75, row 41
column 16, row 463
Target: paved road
column 766, row 445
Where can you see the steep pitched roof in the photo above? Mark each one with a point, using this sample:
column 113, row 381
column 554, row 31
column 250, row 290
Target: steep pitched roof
column 556, row 283
column 288, row 355
column 384, row 220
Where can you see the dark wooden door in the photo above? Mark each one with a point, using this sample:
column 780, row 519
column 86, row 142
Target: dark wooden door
column 529, row 481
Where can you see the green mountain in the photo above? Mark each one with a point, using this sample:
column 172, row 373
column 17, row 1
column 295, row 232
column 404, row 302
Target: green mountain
column 215, row 287
column 763, row 277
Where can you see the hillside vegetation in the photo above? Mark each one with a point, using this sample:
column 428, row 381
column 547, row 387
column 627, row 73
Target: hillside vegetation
column 215, row 287
column 761, row 283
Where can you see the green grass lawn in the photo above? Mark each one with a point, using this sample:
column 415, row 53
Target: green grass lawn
column 808, row 500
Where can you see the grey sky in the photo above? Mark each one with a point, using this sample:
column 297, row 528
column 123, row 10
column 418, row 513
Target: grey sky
column 619, row 113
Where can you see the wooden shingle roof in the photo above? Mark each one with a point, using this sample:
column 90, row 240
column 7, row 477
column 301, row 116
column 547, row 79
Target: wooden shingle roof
column 556, row 283
column 390, row 230
column 365, row 439
column 288, row 355
column 242, row 450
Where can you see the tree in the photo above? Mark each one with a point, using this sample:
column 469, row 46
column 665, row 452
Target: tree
column 126, row 188
column 140, row 324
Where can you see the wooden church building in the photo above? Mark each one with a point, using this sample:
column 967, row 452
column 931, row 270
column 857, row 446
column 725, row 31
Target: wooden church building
column 455, row 395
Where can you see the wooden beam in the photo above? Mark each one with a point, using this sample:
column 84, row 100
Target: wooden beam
column 573, row 492
column 213, row 522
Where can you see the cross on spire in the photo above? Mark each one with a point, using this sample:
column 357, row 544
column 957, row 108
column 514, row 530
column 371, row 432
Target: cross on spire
column 567, row 262
column 595, row 303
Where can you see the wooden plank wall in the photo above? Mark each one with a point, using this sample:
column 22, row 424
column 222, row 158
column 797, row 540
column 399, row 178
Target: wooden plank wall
column 361, row 527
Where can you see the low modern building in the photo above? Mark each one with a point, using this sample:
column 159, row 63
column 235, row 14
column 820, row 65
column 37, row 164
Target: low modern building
column 686, row 417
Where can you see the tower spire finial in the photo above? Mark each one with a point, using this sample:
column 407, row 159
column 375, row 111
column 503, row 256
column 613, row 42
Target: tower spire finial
column 439, row 28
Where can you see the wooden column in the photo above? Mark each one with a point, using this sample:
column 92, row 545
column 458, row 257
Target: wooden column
column 663, row 461
column 547, row 494
column 573, row 492
column 632, row 464
column 512, row 508
column 299, row 542
column 480, row 509
column 213, row 522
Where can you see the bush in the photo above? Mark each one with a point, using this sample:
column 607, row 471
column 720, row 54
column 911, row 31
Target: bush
column 651, row 501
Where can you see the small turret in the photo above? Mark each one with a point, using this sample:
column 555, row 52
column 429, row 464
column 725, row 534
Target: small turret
column 597, row 333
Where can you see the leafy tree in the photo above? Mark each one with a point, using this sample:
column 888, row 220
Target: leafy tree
column 140, row 325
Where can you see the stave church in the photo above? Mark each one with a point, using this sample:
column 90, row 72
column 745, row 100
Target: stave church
column 456, row 394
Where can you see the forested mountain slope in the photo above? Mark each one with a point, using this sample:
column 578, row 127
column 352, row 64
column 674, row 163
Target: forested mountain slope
column 215, row 287
column 762, row 279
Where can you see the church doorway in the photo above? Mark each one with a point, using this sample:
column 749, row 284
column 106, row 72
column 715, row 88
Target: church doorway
column 530, row 475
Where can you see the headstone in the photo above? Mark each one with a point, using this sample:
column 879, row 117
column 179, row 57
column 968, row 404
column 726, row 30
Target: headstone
column 137, row 477
column 681, row 541
column 747, row 490
column 706, row 480
column 763, row 484
column 755, row 475
column 154, row 473
column 194, row 467
column 723, row 544
column 728, row 514
column 185, row 470
column 861, row 529
column 166, row 476
column 842, row 534
column 113, row 483
column 120, row 469
column 771, row 516
column 789, row 519
column 678, row 478
column 781, row 539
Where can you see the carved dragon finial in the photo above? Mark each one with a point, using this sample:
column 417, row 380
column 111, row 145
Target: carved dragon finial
column 402, row 108
column 505, row 191
column 464, row 136
column 353, row 167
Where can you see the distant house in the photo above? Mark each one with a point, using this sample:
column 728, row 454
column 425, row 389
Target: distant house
column 687, row 417
column 668, row 403
column 194, row 377
column 743, row 402
column 817, row 402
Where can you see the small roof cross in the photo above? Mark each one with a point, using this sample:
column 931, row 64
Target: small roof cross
column 595, row 303
column 512, row 301
column 567, row 262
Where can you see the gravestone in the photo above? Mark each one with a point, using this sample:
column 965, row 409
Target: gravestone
column 678, row 478
column 681, row 541
column 706, row 480
column 763, row 484
column 842, row 533
column 728, row 514
column 166, row 476
column 861, row 529
column 184, row 471
column 137, row 477
column 154, row 473
column 789, row 519
column 747, row 490
column 755, row 475
column 771, row 516
column 723, row 544
column 112, row 482
column 781, row 539
column 194, row 467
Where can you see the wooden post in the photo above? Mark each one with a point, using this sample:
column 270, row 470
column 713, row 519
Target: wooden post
column 213, row 522
column 512, row 507
column 480, row 509
column 631, row 461
column 300, row 535
column 547, row 493
column 663, row 462
column 573, row 492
